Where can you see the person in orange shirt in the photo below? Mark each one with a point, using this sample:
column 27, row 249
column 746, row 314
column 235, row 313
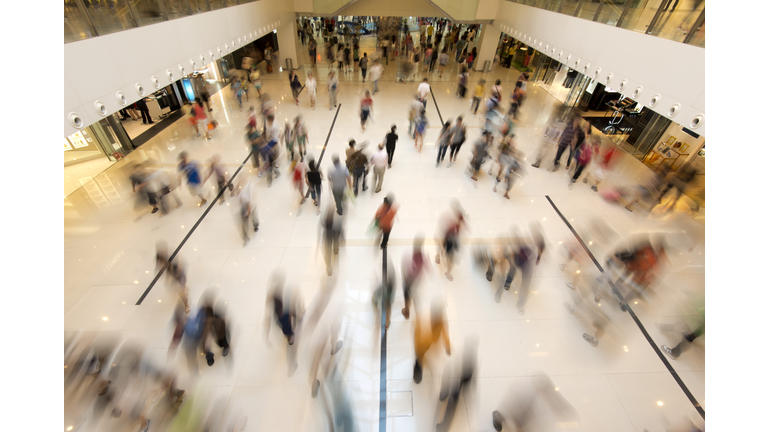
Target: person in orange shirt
column 385, row 218
column 427, row 334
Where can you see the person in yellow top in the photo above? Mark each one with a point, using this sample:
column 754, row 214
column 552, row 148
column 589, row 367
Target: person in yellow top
column 478, row 96
column 510, row 53
column 426, row 335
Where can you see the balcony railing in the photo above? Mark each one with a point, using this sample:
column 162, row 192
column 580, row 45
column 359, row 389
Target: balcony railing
column 89, row 18
column 677, row 20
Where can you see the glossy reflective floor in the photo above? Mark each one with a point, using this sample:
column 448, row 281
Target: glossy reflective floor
column 620, row 385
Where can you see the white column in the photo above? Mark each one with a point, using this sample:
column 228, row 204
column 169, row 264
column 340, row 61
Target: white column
column 287, row 38
column 486, row 48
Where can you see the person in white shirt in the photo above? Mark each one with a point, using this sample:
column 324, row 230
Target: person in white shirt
column 376, row 70
column 385, row 49
column 311, row 85
column 333, row 88
column 423, row 92
column 247, row 209
column 379, row 162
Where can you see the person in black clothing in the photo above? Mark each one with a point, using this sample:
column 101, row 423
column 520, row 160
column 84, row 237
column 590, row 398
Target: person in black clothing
column 570, row 77
column 580, row 135
column 141, row 105
column 391, row 142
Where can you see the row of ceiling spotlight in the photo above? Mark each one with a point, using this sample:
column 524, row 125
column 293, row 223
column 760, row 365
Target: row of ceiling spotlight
column 101, row 109
column 550, row 51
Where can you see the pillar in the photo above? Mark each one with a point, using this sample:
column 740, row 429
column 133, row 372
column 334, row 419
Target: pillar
column 486, row 48
column 287, row 40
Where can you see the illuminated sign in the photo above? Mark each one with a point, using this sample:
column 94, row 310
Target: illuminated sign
column 78, row 139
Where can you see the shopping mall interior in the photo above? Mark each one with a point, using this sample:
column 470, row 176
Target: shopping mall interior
column 213, row 280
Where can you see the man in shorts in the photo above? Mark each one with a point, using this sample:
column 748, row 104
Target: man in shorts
column 192, row 173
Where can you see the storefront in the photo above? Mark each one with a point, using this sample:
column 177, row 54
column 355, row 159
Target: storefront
column 92, row 150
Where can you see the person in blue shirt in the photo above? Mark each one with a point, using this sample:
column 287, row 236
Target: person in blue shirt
column 192, row 173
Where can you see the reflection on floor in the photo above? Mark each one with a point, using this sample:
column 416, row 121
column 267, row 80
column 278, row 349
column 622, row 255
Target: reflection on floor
column 78, row 174
column 620, row 385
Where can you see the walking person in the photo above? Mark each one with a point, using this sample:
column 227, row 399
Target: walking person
column 256, row 80
column 521, row 256
column 443, row 141
column 355, row 56
column 301, row 136
column 340, row 180
column 461, row 89
column 364, row 65
column 443, row 62
column 366, row 109
column 314, row 183
column 551, row 135
column 414, row 265
column 480, row 153
column 333, row 88
column 384, row 219
column 453, row 225
column 248, row 215
column 311, row 86
column 379, row 164
column 478, row 96
column 340, row 58
column 358, row 163
column 296, row 88
column 678, row 180
column 458, row 136
column 567, row 138
column 201, row 118
column 509, row 164
column 347, row 58
column 583, row 158
column 299, row 178
column 391, row 140
column 581, row 134
column 464, row 383
column 289, row 139
column 313, row 52
column 189, row 169
column 423, row 92
column 429, row 333
column 376, row 70
column 413, row 114
column 420, row 129
column 237, row 89
column 605, row 159
column 221, row 179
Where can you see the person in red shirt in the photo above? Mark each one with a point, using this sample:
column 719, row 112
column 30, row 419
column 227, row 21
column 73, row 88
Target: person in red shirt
column 366, row 109
column 385, row 218
column 605, row 161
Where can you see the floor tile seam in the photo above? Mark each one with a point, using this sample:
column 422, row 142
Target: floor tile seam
column 639, row 325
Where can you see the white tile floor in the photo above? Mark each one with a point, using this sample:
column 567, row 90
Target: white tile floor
column 619, row 385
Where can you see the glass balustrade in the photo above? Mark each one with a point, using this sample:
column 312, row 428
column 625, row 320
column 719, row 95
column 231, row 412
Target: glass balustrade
column 109, row 16
column 147, row 11
column 677, row 20
column 76, row 26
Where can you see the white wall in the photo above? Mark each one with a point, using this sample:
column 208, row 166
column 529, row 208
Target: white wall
column 96, row 69
column 671, row 70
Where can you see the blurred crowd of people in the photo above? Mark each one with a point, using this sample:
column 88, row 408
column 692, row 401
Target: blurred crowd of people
column 121, row 381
